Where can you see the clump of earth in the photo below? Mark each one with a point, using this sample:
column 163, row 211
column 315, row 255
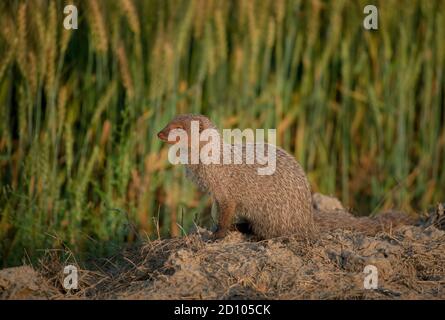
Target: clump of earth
column 405, row 261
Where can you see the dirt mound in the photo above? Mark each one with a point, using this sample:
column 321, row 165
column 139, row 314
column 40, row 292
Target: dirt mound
column 410, row 262
column 25, row 283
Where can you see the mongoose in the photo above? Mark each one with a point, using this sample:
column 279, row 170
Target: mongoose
column 273, row 205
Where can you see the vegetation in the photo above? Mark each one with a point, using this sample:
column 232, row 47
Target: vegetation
column 363, row 111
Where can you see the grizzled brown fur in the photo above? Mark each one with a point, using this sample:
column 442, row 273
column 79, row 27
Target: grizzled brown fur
column 329, row 214
column 327, row 221
column 274, row 205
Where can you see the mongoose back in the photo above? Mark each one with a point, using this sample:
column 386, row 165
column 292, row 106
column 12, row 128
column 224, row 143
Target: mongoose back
column 273, row 205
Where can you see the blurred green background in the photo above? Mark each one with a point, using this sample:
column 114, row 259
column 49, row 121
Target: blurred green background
column 362, row 111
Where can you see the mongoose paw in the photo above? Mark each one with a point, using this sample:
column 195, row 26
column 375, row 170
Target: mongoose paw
column 219, row 234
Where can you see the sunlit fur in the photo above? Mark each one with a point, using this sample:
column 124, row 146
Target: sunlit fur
column 274, row 205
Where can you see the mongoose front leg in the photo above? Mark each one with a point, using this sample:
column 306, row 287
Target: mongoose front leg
column 226, row 211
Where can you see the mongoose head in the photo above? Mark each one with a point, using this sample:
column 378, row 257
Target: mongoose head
column 184, row 122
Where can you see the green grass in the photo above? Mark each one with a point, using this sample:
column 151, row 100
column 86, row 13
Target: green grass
column 363, row 111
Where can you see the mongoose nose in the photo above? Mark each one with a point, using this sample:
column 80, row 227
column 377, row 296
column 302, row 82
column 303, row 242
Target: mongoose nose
column 162, row 135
